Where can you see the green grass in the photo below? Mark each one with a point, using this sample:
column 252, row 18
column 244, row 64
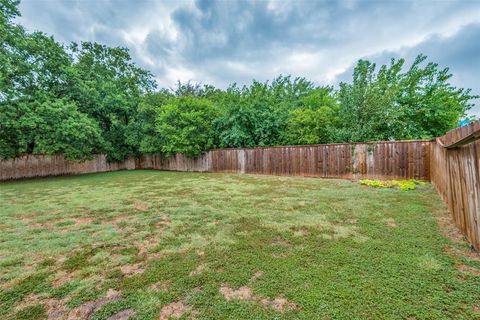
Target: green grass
column 332, row 249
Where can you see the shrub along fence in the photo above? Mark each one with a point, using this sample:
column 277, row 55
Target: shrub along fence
column 451, row 162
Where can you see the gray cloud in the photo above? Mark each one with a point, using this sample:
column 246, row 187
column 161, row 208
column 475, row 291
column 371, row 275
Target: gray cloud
column 220, row 42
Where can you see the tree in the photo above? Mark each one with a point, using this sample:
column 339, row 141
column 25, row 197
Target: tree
column 49, row 127
column 143, row 131
column 315, row 121
column 391, row 104
column 108, row 86
column 58, row 127
column 185, row 125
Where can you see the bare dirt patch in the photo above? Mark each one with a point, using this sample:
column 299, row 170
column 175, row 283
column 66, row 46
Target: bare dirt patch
column 257, row 275
column 61, row 278
column 476, row 308
column 145, row 246
column 130, row 270
column 468, row 270
column 390, row 223
column 89, row 308
column 161, row 286
column 449, row 229
column 279, row 304
column 244, row 293
column 470, row 254
column 140, row 205
column 174, row 310
column 55, row 309
column 83, row 220
column 123, row 315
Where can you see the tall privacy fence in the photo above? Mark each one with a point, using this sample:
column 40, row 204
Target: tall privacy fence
column 451, row 162
column 455, row 173
column 401, row 159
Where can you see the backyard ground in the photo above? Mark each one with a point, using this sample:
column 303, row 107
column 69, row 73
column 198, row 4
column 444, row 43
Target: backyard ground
column 154, row 245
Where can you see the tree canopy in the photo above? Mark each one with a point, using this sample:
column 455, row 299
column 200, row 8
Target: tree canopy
column 88, row 98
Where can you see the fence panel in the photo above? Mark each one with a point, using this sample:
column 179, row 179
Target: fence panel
column 382, row 160
column 456, row 176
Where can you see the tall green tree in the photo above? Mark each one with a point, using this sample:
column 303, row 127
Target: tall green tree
column 315, row 121
column 185, row 125
column 108, row 86
column 391, row 104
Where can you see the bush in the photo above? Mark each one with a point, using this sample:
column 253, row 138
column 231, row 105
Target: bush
column 404, row 185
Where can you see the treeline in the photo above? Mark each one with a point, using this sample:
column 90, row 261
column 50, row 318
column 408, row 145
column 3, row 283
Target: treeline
column 88, row 98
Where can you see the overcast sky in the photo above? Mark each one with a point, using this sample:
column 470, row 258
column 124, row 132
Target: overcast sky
column 220, row 42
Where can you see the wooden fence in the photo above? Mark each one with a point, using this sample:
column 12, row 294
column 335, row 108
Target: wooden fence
column 373, row 160
column 382, row 160
column 31, row 166
column 455, row 173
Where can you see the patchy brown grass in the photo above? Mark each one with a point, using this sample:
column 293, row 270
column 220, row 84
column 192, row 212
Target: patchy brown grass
column 198, row 270
column 145, row 246
column 390, row 222
column 476, row 308
column 140, row 205
column 89, row 308
column 55, row 308
column 61, row 278
column 174, row 310
column 242, row 293
column 245, row 293
column 280, row 243
column 465, row 253
column 129, row 270
column 123, row 315
column 161, row 286
column 257, row 275
column 449, row 229
column 279, row 304
column 468, row 270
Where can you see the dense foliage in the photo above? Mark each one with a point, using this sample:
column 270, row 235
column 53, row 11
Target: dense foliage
column 88, row 98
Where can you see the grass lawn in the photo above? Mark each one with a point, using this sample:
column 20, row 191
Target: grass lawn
column 154, row 245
